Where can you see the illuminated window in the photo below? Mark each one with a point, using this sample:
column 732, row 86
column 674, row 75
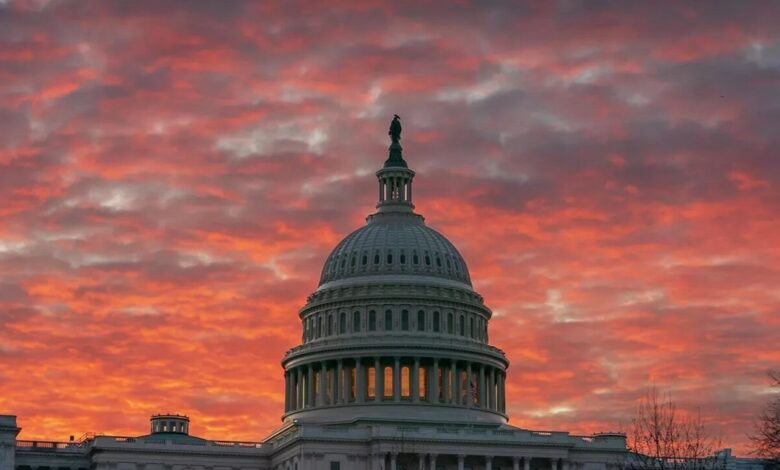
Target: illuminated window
column 329, row 386
column 388, row 385
column 405, row 389
column 352, row 383
column 371, row 374
column 422, row 383
column 317, row 388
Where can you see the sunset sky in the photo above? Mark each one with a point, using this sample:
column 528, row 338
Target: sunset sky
column 173, row 174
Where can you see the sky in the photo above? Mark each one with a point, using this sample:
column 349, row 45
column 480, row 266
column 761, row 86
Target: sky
column 173, row 175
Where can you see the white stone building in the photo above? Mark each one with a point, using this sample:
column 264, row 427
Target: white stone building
column 395, row 371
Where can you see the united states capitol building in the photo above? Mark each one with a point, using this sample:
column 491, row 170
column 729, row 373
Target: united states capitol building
column 395, row 371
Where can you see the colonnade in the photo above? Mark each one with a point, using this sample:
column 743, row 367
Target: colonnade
column 395, row 379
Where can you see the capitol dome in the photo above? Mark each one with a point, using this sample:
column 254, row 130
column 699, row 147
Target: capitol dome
column 395, row 326
column 395, row 245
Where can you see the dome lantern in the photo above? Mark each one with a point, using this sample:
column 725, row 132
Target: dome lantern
column 395, row 177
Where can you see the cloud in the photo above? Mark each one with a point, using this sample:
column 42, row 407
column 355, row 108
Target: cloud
column 174, row 175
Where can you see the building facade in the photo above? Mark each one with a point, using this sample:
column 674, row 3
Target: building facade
column 394, row 371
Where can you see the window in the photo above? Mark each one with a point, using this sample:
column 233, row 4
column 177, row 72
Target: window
column 364, row 261
column 352, row 383
column 462, row 326
column 343, row 323
column 388, row 320
column 427, row 260
column 471, row 327
column 405, row 389
column 317, row 388
column 420, row 321
column 330, row 325
column 435, row 322
column 319, row 326
column 438, row 261
column 335, row 466
column 376, row 258
column 388, row 382
column 415, row 258
column 405, row 320
column 422, row 383
column 355, row 322
column 403, row 258
column 372, row 321
column 371, row 374
column 389, row 257
column 450, row 324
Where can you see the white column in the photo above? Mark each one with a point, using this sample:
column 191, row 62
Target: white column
column 420, row 461
column 414, row 381
column 526, row 463
column 482, row 389
column 321, row 398
column 515, row 463
column 435, row 382
column 553, row 464
column 393, row 457
column 469, row 400
column 461, row 460
column 397, row 379
column 310, row 387
column 379, row 380
column 433, row 461
column 360, row 382
column 564, row 465
column 488, row 462
column 338, row 386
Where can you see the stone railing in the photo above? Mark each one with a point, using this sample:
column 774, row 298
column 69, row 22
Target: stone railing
column 380, row 338
column 51, row 446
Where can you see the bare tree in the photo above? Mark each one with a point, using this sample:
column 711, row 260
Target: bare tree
column 766, row 436
column 663, row 439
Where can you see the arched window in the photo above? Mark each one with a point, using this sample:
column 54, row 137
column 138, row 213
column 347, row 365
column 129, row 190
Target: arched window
column 319, row 326
column 388, row 320
column 471, row 327
column 405, row 320
column 388, row 382
column 450, row 324
column 330, row 325
column 427, row 260
column 390, row 257
column 376, row 258
column 372, row 321
column 462, row 326
column 438, row 261
column 415, row 258
column 356, row 322
column 371, row 374
column 343, row 323
column 420, row 320
column 435, row 322
column 402, row 258
column 405, row 388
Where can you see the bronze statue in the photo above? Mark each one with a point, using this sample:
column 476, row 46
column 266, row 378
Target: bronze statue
column 395, row 128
